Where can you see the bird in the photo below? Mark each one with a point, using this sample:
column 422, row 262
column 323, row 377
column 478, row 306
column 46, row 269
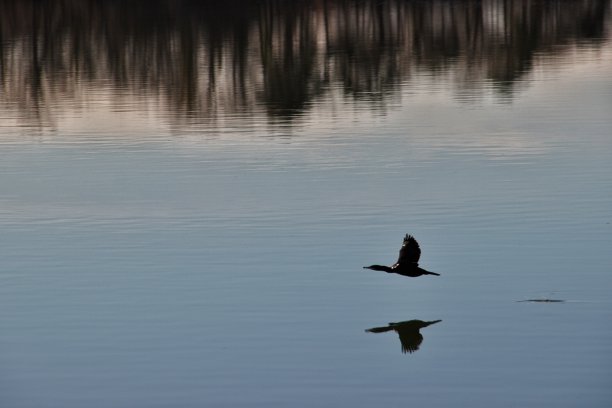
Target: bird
column 408, row 331
column 408, row 262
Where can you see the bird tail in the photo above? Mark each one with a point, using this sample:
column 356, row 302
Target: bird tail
column 432, row 322
column 430, row 273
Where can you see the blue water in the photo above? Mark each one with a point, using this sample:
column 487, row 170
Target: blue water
column 148, row 261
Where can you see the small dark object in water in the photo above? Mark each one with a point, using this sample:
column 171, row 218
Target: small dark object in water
column 408, row 332
column 408, row 262
column 543, row 300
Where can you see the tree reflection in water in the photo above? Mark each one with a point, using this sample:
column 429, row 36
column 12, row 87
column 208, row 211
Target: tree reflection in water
column 204, row 58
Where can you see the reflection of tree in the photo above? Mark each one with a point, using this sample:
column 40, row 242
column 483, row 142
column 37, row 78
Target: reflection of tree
column 201, row 58
column 288, row 55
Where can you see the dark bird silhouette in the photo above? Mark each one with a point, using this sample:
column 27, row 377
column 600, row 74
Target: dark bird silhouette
column 408, row 262
column 408, row 332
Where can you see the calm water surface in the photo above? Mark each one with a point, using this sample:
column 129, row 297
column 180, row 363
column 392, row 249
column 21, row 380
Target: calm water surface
column 189, row 191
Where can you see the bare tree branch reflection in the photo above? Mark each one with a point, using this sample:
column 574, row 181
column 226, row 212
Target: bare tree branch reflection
column 199, row 59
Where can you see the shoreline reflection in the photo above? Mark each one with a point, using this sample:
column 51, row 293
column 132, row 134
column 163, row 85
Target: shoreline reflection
column 198, row 61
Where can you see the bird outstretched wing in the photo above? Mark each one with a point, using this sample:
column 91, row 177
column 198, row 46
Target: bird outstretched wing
column 410, row 251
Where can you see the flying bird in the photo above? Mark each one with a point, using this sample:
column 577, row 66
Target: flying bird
column 409, row 334
column 408, row 262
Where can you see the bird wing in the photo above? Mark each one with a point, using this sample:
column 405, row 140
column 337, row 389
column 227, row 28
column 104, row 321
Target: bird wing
column 410, row 251
column 410, row 338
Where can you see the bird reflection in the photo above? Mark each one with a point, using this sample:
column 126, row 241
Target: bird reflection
column 408, row 262
column 408, row 332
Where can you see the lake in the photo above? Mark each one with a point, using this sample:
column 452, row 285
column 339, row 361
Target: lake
column 189, row 192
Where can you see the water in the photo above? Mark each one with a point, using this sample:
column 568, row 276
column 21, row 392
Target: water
column 187, row 205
